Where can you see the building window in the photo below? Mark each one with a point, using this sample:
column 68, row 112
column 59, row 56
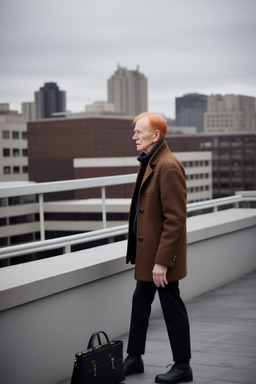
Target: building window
column 249, row 151
column 6, row 135
column 3, row 222
column 24, row 169
column 24, row 135
column 21, row 219
column 7, row 170
column 6, row 152
column 236, row 163
column 224, row 174
column 3, row 241
column 16, row 152
column 236, row 151
column 237, row 174
column 28, row 237
column 249, row 175
column 15, row 135
column 16, row 170
column 207, row 144
column 249, row 139
column 3, row 202
column 224, row 151
column 236, row 140
column 24, row 152
column 249, row 163
column 249, row 186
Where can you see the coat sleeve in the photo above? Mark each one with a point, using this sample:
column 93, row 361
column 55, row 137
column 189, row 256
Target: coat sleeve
column 173, row 200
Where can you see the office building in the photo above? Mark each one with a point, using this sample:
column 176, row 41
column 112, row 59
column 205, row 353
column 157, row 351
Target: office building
column 230, row 113
column 127, row 90
column 28, row 110
column 49, row 99
column 190, row 110
column 13, row 147
column 233, row 158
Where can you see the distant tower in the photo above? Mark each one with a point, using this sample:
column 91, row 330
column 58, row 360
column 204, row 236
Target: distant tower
column 49, row 99
column 128, row 91
column 190, row 110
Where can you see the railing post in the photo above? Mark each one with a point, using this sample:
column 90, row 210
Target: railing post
column 41, row 216
column 104, row 214
column 67, row 248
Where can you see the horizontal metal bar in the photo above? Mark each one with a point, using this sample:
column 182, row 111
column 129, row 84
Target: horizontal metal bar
column 61, row 242
column 191, row 207
column 66, row 185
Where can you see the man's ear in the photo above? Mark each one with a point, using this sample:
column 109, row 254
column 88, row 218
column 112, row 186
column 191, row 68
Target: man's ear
column 157, row 136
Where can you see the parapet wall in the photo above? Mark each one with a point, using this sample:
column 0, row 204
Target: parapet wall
column 50, row 307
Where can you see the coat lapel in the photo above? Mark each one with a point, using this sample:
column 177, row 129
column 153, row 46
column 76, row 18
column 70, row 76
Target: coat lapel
column 152, row 162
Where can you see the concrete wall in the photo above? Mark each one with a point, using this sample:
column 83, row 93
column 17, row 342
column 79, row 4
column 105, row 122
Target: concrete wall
column 49, row 308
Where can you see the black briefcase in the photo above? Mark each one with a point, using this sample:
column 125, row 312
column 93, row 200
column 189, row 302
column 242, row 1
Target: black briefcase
column 100, row 364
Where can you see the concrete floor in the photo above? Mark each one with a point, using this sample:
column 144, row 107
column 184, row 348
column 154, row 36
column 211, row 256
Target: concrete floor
column 223, row 336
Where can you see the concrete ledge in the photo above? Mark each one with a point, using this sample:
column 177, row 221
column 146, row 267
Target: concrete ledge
column 23, row 283
column 219, row 223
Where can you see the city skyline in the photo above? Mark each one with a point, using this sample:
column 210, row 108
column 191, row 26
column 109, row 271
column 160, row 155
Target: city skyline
column 180, row 46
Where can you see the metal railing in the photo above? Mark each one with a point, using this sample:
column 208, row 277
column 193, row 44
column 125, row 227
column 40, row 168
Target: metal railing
column 67, row 185
column 66, row 242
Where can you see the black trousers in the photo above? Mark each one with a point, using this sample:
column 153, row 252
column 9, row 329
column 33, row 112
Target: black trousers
column 175, row 316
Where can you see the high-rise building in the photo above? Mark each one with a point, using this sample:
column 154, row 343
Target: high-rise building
column 28, row 110
column 128, row 90
column 49, row 99
column 190, row 110
column 230, row 113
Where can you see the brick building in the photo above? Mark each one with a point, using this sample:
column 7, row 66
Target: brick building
column 54, row 145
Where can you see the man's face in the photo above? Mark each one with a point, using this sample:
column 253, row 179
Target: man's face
column 144, row 137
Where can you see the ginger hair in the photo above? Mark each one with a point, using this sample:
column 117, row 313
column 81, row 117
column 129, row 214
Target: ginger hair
column 156, row 122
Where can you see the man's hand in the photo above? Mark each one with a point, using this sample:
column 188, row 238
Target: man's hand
column 159, row 275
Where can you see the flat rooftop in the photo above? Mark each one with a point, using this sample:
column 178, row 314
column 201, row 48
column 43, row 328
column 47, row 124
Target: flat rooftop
column 223, row 335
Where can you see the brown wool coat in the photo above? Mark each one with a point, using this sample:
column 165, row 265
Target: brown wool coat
column 161, row 219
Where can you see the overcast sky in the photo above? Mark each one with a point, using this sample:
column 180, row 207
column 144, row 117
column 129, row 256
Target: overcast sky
column 181, row 46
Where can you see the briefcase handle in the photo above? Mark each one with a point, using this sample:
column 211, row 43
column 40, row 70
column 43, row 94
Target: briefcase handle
column 93, row 337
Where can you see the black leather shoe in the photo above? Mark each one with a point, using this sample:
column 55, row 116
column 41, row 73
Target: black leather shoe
column 133, row 364
column 179, row 373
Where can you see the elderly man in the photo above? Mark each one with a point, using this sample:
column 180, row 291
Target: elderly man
column 157, row 245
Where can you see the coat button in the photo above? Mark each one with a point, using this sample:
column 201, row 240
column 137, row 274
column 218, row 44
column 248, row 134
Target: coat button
column 141, row 210
column 140, row 238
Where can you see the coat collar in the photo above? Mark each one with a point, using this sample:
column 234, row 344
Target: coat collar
column 154, row 159
column 158, row 153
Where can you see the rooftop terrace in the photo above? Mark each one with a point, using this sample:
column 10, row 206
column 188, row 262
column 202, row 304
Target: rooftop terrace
column 223, row 335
